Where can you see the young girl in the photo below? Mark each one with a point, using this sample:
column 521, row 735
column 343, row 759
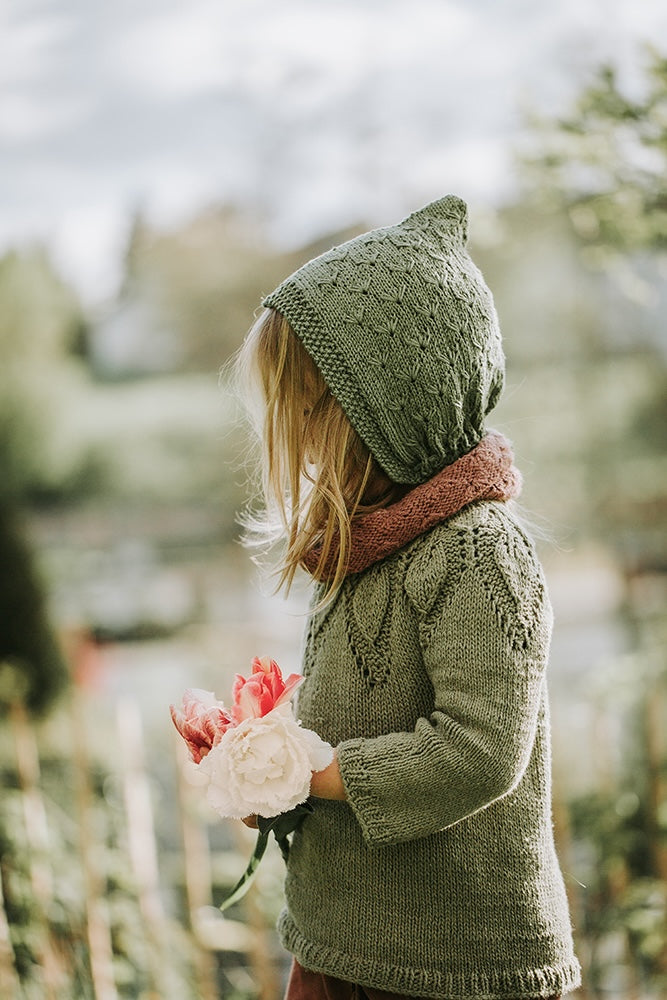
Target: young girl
column 427, row 868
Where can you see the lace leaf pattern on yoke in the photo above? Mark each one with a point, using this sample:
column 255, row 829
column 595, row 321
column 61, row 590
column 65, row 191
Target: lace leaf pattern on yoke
column 504, row 561
column 368, row 622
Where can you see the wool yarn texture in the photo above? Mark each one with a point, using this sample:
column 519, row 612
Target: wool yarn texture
column 485, row 473
column 438, row 876
column 404, row 331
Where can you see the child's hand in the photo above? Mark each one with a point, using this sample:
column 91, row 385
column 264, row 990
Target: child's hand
column 250, row 821
column 327, row 784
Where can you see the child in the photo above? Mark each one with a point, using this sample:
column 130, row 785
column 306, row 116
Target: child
column 428, row 866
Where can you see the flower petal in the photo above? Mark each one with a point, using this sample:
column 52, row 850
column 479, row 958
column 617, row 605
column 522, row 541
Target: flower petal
column 263, row 765
column 291, row 684
column 202, row 722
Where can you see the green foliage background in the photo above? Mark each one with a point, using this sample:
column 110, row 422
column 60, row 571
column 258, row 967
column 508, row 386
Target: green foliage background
column 97, row 448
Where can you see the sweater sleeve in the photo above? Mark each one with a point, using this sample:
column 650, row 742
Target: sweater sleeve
column 484, row 624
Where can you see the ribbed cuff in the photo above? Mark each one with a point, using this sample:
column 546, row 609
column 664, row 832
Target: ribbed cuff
column 375, row 825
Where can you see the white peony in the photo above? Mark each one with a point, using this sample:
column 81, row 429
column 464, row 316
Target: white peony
column 263, row 765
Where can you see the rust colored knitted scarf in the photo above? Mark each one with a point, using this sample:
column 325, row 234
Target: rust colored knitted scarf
column 485, row 473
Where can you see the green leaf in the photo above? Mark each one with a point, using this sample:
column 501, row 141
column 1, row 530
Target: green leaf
column 285, row 823
column 246, row 879
column 281, row 826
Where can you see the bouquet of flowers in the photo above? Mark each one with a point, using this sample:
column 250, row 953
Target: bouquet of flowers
column 255, row 758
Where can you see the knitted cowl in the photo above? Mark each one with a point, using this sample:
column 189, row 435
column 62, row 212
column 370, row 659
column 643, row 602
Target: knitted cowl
column 485, row 473
column 403, row 329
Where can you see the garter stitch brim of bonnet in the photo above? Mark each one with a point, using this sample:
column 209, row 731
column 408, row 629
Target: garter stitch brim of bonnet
column 402, row 327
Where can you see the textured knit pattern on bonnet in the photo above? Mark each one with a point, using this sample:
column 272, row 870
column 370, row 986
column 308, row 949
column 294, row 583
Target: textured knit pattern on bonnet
column 438, row 877
column 404, row 331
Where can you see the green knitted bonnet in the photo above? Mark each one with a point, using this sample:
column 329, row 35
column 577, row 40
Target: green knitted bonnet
column 404, row 331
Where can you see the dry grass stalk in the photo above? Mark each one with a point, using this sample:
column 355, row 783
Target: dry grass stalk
column 37, row 839
column 9, row 980
column 97, row 917
column 141, row 841
column 197, row 870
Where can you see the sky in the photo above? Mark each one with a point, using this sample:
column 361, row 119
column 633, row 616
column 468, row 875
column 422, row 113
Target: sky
column 311, row 114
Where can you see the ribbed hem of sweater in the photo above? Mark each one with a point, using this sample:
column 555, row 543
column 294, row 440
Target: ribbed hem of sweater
column 520, row 984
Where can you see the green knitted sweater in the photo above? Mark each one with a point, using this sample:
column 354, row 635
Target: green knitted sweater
column 438, row 877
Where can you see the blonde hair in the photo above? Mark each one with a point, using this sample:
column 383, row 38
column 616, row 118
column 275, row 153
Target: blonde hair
column 317, row 473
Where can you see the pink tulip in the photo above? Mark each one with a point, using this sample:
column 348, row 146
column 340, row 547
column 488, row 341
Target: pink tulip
column 264, row 690
column 202, row 723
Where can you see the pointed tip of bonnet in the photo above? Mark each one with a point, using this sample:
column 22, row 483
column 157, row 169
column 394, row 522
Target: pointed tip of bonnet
column 448, row 215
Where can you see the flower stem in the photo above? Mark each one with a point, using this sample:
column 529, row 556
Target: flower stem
column 281, row 826
column 246, row 879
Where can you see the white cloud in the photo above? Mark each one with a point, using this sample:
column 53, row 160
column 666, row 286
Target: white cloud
column 24, row 117
column 87, row 243
column 318, row 113
column 28, row 44
column 170, row 55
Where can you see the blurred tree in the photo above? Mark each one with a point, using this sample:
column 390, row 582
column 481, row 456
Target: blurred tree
column 187, row 297
column 40, row 325
column 189, row 293
column 606, row 161
column 27, row 642
column 40, row 333
column 604, row 165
